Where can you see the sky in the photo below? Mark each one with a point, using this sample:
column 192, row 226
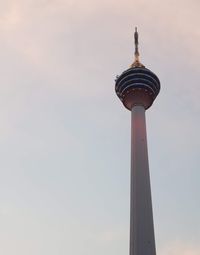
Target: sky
column 65, row 136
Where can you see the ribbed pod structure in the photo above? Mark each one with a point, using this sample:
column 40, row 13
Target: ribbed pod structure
column 137, row 86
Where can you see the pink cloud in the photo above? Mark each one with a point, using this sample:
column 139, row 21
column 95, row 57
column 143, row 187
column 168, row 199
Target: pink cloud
column 180, row 248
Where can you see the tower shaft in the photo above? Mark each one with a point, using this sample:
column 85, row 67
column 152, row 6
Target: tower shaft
column 142, row 240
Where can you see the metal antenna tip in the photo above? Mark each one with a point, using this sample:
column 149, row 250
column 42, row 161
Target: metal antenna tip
column 136, row 62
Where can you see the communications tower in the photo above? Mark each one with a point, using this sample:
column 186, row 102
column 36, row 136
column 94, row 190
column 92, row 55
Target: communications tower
column 137, row 88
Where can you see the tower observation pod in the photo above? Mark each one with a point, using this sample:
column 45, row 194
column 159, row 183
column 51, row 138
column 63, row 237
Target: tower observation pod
column 137, row 88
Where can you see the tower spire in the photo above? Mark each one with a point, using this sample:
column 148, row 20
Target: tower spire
column 136, row 62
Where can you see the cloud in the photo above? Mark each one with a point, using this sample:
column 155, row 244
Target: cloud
column 180, row 248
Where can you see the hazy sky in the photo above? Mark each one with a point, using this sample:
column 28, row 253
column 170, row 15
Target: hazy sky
column 65, row 136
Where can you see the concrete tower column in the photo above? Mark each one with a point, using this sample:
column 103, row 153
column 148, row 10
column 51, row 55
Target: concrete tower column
column 137, row 88
column 142, row 241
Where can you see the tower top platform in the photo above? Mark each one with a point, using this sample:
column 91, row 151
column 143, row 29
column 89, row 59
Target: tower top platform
column 137, row 85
